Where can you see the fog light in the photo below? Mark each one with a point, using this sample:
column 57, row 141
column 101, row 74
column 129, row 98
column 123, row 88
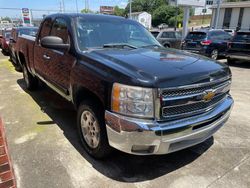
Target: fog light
column 142, row 149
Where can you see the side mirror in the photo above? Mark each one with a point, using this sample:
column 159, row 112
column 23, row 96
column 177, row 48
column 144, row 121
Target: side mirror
column 53, row 42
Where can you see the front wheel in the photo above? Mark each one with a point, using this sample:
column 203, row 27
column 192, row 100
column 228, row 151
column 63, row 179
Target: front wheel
column 92, row 130
column 30, row 81
column 230, row 61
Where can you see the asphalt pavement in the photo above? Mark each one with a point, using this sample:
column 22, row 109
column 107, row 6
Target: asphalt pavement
column 46, row 151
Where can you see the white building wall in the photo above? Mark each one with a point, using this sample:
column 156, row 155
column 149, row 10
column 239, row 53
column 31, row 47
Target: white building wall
column 198, row 11
column 221, row 18
column 246, row 19
column 234, row 18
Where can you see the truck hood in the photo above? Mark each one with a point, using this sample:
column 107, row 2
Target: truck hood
column 161, row 67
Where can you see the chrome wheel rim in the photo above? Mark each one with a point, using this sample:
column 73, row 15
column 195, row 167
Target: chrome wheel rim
column 25, row 73
column 214, row 54
column 90, row 129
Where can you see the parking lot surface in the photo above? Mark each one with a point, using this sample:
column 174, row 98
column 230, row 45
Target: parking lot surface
column 46, row 151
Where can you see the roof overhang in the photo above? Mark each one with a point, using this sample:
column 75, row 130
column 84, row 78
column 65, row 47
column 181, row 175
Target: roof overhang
column 233, row 5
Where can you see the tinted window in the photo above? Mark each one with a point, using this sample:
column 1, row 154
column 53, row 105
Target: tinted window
column 30, row 31
column 97, row 31
column 227, row 17
column 196, row 35
column 168, row 35
column 46, row 27
column 242, row 36
column 60, row 29
column 155, row 34
column 219, row 35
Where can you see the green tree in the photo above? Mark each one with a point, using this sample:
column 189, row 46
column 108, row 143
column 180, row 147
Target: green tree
column 166, row 14
column 119, row 11
column 86, row 11
column 6, row 19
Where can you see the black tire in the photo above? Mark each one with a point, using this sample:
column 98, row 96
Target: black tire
column 166, row 45
column 30, row 81
column 230, row 61
column 103, row 148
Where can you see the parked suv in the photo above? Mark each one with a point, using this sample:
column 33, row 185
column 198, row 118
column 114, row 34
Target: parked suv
column 169, row 39
column 211, row 43
column 239, row 47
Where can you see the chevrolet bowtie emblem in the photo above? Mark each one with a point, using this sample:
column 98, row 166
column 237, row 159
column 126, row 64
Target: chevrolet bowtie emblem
column 208, row 96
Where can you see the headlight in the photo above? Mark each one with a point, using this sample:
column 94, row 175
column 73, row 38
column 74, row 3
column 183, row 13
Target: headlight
column 132, row 101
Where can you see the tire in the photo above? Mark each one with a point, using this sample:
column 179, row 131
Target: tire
column 92, row 129
column 230, row 61
column 166, row 46
column 215, row 54
column 30, row 81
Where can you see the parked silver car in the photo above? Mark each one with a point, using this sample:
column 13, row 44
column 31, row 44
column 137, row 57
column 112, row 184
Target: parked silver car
column 169, row 39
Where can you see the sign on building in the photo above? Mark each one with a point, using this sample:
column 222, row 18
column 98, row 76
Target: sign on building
column 107, row 10
column 26, row 17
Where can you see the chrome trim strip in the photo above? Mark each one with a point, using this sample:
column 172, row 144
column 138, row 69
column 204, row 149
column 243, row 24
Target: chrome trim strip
column 67, row 97
column 197, row 85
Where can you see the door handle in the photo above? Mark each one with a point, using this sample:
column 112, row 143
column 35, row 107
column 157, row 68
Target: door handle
column 46, row 57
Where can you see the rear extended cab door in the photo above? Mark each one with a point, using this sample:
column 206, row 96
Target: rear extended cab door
column 54, row 66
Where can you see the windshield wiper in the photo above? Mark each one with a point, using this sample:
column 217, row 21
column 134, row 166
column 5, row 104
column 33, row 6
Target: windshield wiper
column 118, row 45
column 151, row 46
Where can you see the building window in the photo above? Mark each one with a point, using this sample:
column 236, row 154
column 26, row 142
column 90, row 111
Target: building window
column 211, row 2
column 227, row 17
column 240, row 17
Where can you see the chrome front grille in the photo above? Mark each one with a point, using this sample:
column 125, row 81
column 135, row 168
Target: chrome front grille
column 191, row 108
column 190, row 100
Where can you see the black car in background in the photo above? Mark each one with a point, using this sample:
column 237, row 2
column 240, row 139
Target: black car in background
column 13, row 45
column 211, row 43
column 239, row 47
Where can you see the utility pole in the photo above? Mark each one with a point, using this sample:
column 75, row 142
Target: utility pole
column 63, row 6
column 217, row 14
column 176, row 14
column 130, row 8
column 87, row 5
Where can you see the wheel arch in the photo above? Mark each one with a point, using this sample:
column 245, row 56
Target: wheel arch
column 81, row 93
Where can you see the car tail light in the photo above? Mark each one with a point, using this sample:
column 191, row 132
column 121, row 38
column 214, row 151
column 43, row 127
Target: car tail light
column 206, row 42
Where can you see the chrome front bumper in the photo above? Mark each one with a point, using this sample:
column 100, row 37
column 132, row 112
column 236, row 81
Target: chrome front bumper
column 145, row 137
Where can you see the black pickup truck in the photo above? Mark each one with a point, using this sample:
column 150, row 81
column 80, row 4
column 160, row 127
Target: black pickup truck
column 130, row 93
column 239, row 47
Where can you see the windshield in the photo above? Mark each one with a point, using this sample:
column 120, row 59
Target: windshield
column 30, row 31
column 98, row 32
column 196, row 35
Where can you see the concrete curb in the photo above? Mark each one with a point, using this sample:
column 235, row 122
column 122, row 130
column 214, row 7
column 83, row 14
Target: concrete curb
column 7, row 176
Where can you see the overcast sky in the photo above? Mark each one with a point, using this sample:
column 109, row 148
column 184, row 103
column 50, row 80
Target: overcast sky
column 70, row 5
